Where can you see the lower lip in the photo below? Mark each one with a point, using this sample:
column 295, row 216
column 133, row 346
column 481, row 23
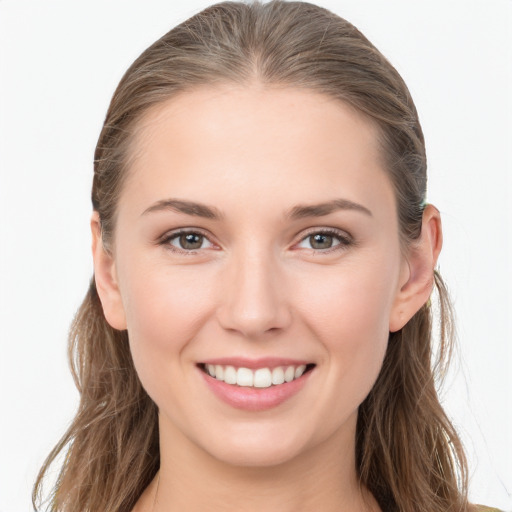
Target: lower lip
column 255, row 399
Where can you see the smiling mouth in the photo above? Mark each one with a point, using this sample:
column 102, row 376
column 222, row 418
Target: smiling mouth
column 258, row 378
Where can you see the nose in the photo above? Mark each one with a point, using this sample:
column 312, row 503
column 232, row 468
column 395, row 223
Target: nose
column 253, row 297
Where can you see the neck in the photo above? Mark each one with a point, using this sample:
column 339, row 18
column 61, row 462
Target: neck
column 321, row 478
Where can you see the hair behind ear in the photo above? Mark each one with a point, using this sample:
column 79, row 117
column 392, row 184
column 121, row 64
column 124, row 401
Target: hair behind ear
column 428, row 449
column 113, row 440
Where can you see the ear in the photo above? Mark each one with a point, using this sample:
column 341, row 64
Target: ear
column 417, row 276
column 106, row 278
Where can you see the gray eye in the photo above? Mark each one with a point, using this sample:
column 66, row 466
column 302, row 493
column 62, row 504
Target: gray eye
column 190, row 241
column 321, row 241
column 187, row 242
column 324, row 240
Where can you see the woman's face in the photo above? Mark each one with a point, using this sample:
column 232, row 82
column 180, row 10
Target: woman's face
column 257, row 229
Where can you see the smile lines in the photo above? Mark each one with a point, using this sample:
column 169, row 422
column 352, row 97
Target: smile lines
column 260, row 378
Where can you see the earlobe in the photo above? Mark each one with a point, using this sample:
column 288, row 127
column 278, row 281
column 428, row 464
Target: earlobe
column 106, row 278
column 416, row 287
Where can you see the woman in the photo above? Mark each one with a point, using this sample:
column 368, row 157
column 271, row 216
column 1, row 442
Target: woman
column 258, row 330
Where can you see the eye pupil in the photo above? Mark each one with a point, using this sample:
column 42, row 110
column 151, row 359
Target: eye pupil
column 321, row 241
column 191, row 241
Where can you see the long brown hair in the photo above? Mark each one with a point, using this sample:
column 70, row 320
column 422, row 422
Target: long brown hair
column 408, row 454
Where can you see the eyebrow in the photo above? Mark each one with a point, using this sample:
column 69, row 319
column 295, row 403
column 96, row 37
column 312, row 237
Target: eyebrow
column 297, row 212
column 321, row 209
column 187, row 207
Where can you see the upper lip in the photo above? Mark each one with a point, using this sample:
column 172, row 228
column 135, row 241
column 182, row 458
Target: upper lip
column 263, row 362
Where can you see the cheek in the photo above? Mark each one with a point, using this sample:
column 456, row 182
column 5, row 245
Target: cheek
column 164, row 311
column 165, row 303
column 351, row 303
column 350, row 317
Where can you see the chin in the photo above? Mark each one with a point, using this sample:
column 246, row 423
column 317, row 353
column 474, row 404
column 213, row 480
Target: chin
column 258, row 451
column 257, row 458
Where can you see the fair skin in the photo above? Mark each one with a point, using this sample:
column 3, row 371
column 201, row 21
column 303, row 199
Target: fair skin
column 324, row 287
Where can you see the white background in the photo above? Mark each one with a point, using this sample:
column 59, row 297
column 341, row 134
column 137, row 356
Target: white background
column 60, row 62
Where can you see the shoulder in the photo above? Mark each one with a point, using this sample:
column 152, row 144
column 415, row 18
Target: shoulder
column 482, row 508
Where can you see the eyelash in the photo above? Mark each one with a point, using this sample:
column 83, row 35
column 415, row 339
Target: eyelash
column 343, row 238
column 169, row 237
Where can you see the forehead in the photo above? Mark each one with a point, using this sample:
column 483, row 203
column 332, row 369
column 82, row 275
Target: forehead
column 233, row 141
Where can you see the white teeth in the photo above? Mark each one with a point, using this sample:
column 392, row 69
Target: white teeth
column 230, row 375
column 260, row 378
column 289, row 374
column 277, row 376
column 300, row 370
column 244, row 377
